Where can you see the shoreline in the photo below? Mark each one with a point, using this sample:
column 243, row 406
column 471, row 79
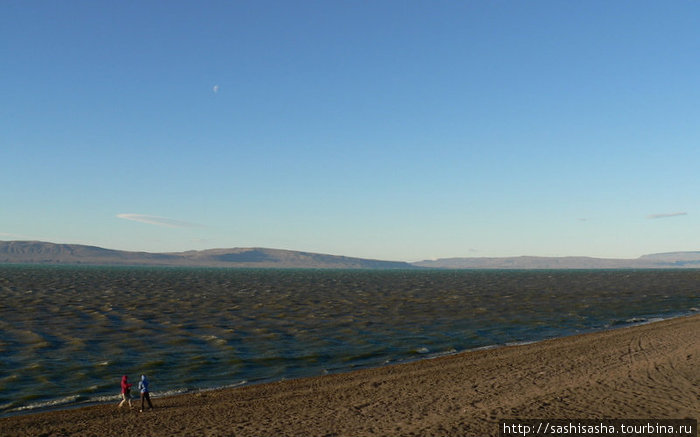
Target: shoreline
column 647, row 370
column 58, row 405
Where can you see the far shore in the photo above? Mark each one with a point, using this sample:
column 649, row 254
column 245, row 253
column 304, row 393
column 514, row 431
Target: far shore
column 645, row 371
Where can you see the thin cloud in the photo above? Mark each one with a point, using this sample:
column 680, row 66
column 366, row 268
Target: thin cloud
column 158, row 221
column 666, row 215
column 215, row 88
column 13, row 236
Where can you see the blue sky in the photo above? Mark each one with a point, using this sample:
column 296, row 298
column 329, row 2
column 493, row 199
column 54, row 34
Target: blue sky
column 401, row 130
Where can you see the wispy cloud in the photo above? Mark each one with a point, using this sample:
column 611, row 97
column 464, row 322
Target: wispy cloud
column 13, row 236
column 666, row 215
column 158, row 221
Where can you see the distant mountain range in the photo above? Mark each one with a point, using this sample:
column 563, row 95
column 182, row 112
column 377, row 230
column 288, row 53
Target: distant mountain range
column 38, row 252
column 654, row 261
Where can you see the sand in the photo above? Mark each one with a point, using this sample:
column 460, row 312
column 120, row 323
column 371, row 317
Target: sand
column 647, row 371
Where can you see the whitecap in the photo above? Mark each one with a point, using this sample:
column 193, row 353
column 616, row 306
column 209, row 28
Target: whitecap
column 236, row 384
column 214, row 339
column 636, row 320
column 484, row 348
column 47, row 404
column 173, row 392
column 105, row 398
column 521, row 343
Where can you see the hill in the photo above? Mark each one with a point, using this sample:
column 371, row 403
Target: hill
column 37, row 252
column 653, row 261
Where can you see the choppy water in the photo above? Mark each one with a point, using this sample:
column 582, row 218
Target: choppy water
column 67, row 334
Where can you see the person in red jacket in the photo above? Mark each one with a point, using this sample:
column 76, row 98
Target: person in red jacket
column 126, row 392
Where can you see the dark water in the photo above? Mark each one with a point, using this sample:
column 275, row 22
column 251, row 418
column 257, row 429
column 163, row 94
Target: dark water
column 67, row 334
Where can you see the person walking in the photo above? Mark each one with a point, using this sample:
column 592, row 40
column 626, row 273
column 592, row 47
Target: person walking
column 126, row 392
column 145, row 394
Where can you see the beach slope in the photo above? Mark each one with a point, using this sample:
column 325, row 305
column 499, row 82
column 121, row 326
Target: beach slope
column 647, row 371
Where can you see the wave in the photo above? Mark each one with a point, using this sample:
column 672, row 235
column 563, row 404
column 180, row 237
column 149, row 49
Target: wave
column 643, row 320
column 52, row 403
column 79, row 400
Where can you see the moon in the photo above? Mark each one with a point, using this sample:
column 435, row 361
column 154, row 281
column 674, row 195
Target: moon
column 215, row 89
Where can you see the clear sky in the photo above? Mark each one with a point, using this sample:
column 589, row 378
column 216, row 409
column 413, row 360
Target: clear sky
column 400, row 130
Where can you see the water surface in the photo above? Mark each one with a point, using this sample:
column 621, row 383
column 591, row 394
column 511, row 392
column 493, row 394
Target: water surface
column 67, row 334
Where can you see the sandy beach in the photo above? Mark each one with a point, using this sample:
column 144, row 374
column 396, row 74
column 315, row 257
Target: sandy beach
column 647, row 371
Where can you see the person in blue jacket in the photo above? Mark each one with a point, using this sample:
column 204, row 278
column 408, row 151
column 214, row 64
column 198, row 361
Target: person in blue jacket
column 145, row 395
